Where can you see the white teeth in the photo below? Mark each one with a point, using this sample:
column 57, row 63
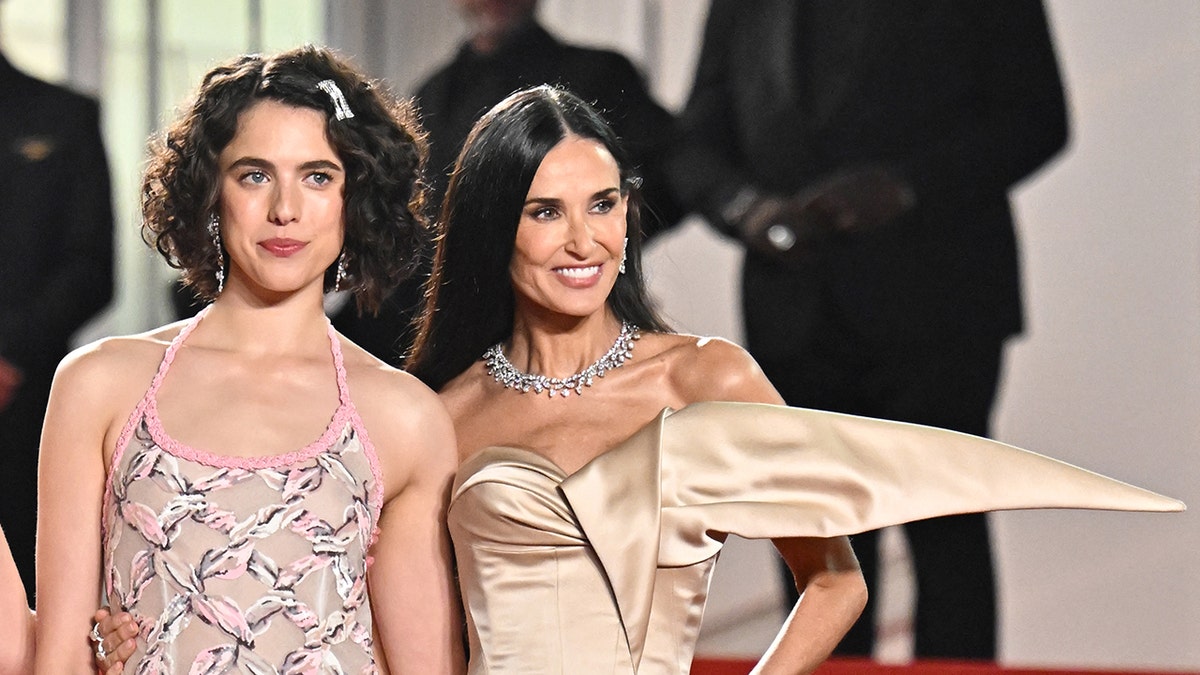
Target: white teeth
column 577, row 272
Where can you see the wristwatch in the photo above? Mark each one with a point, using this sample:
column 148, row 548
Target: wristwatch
column 781, row 237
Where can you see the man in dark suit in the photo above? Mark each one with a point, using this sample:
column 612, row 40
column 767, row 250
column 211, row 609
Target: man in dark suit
column 507, row 50
column 56, row 234
column 863, row 151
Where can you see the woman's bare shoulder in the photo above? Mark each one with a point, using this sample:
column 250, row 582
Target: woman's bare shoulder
column 117, row 359
column 704, row 368
column 400, row 412
column 378, row 388
column 468, row 393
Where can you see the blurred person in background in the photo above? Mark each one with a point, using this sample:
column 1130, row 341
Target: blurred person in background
column 863, row 152
column 56, row 234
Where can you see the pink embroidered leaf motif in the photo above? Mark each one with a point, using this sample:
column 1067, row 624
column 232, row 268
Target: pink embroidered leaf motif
column 301, row 481
column 171, row 622
column 335, row 467
column 336, row 628
column 299, row 529
column 169, row 476
column 144, row 520
column 177, row 510
column 309, row 525
column 303, row 662
column 141, row 572
column 143, row 464
column 274, row 478
column 225, row 563
column 366, row 524
column 263, row 568
column 156, row 663
column 258, row 616
column 217, row 519
column 215, row 661
column 302, row 616
column 340, row 541
column 262, row 524
column 293, row 573
column 223, row 478
column 357, row 594
column 344, row 577
column 255, row 664
column 225, row 614
column 112, row 578
column 360, row 635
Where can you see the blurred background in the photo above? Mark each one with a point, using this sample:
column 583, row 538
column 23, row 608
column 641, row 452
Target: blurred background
column 1107, row 374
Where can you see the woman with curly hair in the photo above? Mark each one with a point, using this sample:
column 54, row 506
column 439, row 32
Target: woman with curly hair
column 223, row 479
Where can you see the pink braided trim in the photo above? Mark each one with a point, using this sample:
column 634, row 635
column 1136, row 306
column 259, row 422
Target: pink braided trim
column 135, row 417
column 337, row 423
column 333, row 431
column 375, row 499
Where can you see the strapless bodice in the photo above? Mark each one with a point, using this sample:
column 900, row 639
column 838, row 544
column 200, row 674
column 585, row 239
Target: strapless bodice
column 606, row 570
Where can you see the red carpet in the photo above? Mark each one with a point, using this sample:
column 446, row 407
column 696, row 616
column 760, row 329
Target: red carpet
column 863, row 667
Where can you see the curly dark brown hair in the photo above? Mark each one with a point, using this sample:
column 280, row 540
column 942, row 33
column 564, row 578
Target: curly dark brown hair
column 382, row 146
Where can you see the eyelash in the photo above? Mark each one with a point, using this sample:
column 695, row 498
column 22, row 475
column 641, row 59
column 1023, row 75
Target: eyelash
column 319, row 177
column 544, row 212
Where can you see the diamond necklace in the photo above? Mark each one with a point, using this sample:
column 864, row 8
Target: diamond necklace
column 504, row 372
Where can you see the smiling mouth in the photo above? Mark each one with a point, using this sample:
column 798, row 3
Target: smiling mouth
column 578, row 272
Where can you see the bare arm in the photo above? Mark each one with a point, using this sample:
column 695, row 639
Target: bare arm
column 833, row 594
column 70, row 488
column 16, row 650
column 417, row 614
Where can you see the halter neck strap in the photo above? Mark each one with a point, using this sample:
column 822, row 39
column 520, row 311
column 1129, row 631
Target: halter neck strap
column 335, row 347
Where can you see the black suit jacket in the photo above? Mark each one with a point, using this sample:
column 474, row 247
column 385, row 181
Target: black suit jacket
column 962, row 99
column 458, row 94
column 56, row 239
column 56, row 223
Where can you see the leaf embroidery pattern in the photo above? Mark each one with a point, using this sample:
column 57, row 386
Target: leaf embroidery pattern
column 241, row 569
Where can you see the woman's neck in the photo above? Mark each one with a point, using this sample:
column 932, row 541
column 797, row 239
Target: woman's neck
column 296, row 326
column 561, row 347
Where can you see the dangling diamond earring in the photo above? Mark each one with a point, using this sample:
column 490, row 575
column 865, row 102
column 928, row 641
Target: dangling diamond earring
column 624, row 248
column 214, row 231
column 341, row 272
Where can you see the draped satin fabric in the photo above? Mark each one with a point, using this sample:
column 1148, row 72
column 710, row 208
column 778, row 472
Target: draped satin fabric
column 607, row 570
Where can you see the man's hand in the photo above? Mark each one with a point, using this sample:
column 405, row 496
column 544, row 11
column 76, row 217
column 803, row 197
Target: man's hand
column 784, row 228
column 861, row 199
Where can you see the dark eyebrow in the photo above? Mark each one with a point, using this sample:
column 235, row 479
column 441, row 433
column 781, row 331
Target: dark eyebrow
column 259, row 163
column 554, row 201
column 322, row 164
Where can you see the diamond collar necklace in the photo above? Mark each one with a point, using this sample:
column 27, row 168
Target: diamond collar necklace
column 504, row 372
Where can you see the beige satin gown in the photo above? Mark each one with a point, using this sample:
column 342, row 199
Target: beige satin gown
column 607, row 570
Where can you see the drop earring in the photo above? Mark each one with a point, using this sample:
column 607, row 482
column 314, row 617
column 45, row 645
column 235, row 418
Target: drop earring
column 214, row 231
column 624, row 249
column 340, row 276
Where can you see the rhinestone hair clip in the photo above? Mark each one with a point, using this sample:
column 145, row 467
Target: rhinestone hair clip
column 341, row 109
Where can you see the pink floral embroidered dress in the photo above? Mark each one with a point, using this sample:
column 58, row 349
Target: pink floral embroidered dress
column 243, row 565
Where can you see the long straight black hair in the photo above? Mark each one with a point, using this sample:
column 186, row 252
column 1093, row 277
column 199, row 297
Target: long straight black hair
column 469, row 299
